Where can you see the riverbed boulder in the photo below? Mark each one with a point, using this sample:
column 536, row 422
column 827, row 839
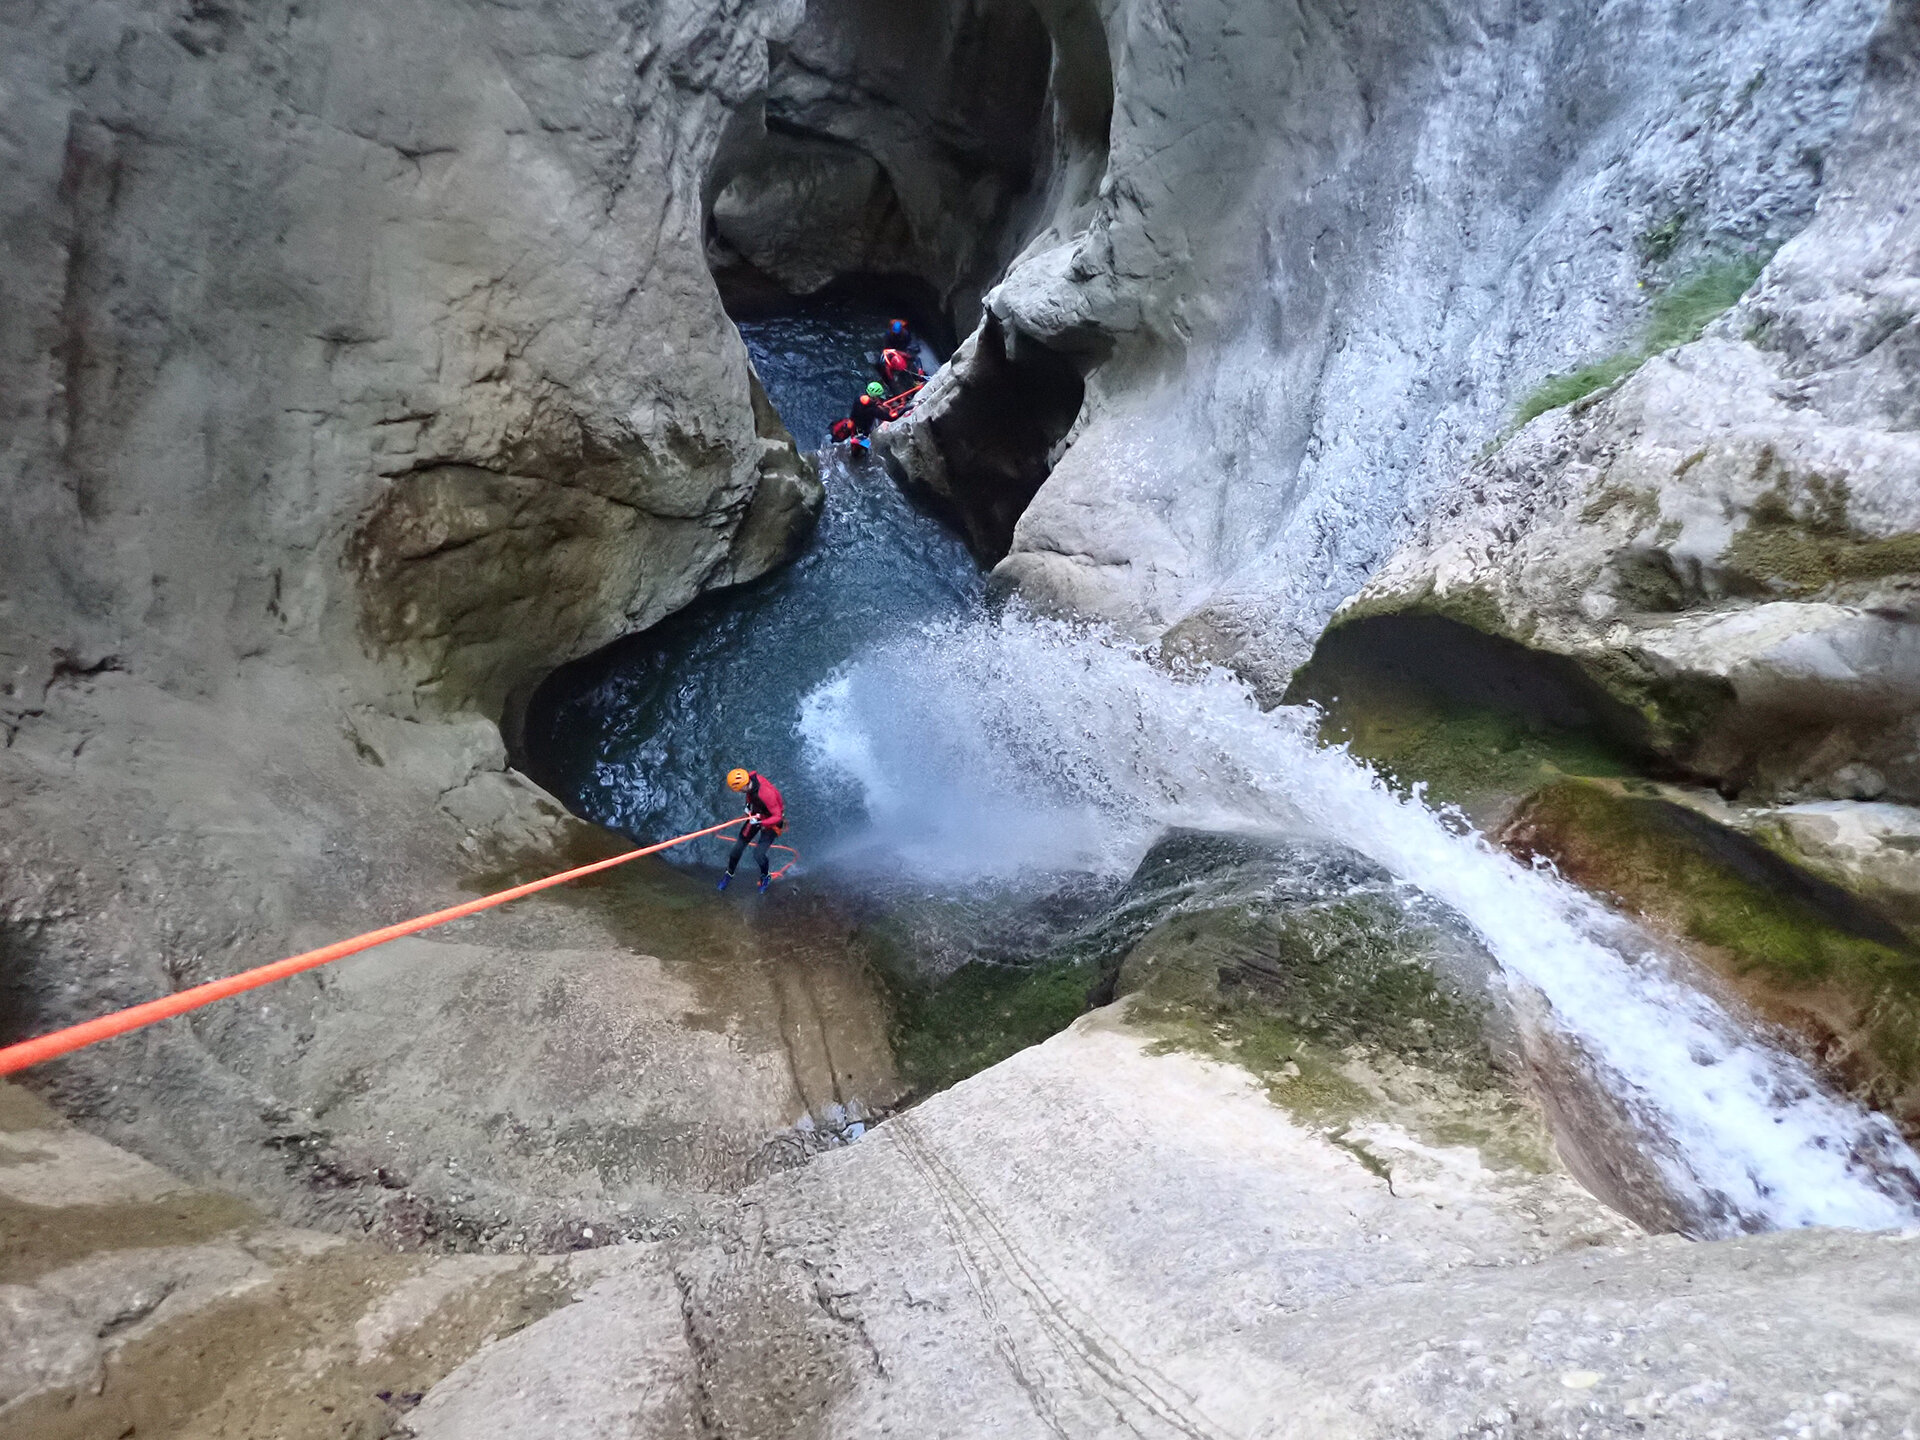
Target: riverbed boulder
column 1873, row 849
column 1807, row 948
column 130, row 1300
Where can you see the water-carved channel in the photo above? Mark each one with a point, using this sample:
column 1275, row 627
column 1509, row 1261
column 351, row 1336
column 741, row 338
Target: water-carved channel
column 1011, row 819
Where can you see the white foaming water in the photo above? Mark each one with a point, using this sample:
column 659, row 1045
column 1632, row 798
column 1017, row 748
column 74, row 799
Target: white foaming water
column 992, row 748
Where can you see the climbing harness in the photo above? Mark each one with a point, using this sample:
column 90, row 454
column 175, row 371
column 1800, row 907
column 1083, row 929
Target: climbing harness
column 777, row 874
column 77, row 1037
column 891, row 409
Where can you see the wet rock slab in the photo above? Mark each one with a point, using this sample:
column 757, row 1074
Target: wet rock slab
column 1095, row 1239
column 132, row 1302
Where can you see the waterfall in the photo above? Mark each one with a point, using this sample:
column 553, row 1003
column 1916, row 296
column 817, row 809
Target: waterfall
column 996, row 746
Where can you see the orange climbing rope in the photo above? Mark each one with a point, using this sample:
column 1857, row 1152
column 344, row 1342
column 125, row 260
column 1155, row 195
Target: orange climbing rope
column 789, row 865
column 894, row 406
column 92, row 1032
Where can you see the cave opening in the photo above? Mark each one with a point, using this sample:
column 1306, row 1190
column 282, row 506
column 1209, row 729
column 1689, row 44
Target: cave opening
column 903, row 156
column 904, row 153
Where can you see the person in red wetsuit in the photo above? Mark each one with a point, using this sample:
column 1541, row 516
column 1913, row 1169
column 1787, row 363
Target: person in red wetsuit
column 899, row 371
column 766, row 817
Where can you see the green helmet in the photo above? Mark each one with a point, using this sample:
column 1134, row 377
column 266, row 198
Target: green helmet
column 876, row 389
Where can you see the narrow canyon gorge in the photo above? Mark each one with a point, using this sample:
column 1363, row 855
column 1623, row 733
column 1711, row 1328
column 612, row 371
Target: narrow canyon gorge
column 1352, row 758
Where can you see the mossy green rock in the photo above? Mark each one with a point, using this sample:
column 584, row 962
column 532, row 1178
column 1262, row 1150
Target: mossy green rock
column 1724, row 541
column 1350, row 1000
column 1803, row 950
column 1478, row 719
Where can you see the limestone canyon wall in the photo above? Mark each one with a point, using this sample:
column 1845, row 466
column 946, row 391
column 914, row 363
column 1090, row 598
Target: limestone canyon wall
column 303, row 301
column 1729, row 542
column 1332, row 250
column 360, row 363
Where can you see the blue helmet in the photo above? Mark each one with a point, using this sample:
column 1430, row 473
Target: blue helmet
column 897, row 328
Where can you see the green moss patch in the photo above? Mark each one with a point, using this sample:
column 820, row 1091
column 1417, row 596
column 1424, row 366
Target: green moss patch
column 37, row 1239
column 1559, row 390
column 1676, row 317
column 1799, row 540
column 1344, row 972
column 980, row 1015
column 1471, row 758
column 1773, row 928
column 1480, row 719
column 1802, row 564
column 1337, row 1010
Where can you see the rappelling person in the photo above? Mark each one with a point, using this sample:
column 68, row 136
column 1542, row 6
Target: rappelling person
column 766, row 817
column 900, row 335
column 899, row 372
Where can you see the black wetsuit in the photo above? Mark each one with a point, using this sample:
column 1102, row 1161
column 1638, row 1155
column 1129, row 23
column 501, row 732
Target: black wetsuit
column 866, row 414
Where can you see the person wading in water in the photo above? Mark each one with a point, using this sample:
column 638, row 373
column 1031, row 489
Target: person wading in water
column 866, row 410
column 766, row 817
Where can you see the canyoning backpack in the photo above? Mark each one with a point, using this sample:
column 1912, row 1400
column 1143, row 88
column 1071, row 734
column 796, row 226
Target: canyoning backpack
column 842, row 429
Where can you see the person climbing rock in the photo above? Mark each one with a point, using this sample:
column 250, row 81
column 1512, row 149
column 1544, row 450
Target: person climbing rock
column 866, row 410
column 766, row 817
column 899, row 372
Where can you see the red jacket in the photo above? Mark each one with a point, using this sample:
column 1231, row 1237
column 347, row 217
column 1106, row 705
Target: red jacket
column 764, row 802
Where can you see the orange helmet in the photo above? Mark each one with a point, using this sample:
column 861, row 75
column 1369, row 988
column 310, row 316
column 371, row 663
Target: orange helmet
column 738, row 779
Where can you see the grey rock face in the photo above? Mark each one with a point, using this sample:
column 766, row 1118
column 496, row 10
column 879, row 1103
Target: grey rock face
column 291, row 288
column 1871, row 848
column 1093, row 1240
column 1330, row 250
column 902, row 140
column 359, row 364
column 129, row 1301
column 982, row 432
column 1730, row 541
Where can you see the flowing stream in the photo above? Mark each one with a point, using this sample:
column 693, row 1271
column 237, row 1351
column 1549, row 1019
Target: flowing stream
column 925, row 740
column 637, row 736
